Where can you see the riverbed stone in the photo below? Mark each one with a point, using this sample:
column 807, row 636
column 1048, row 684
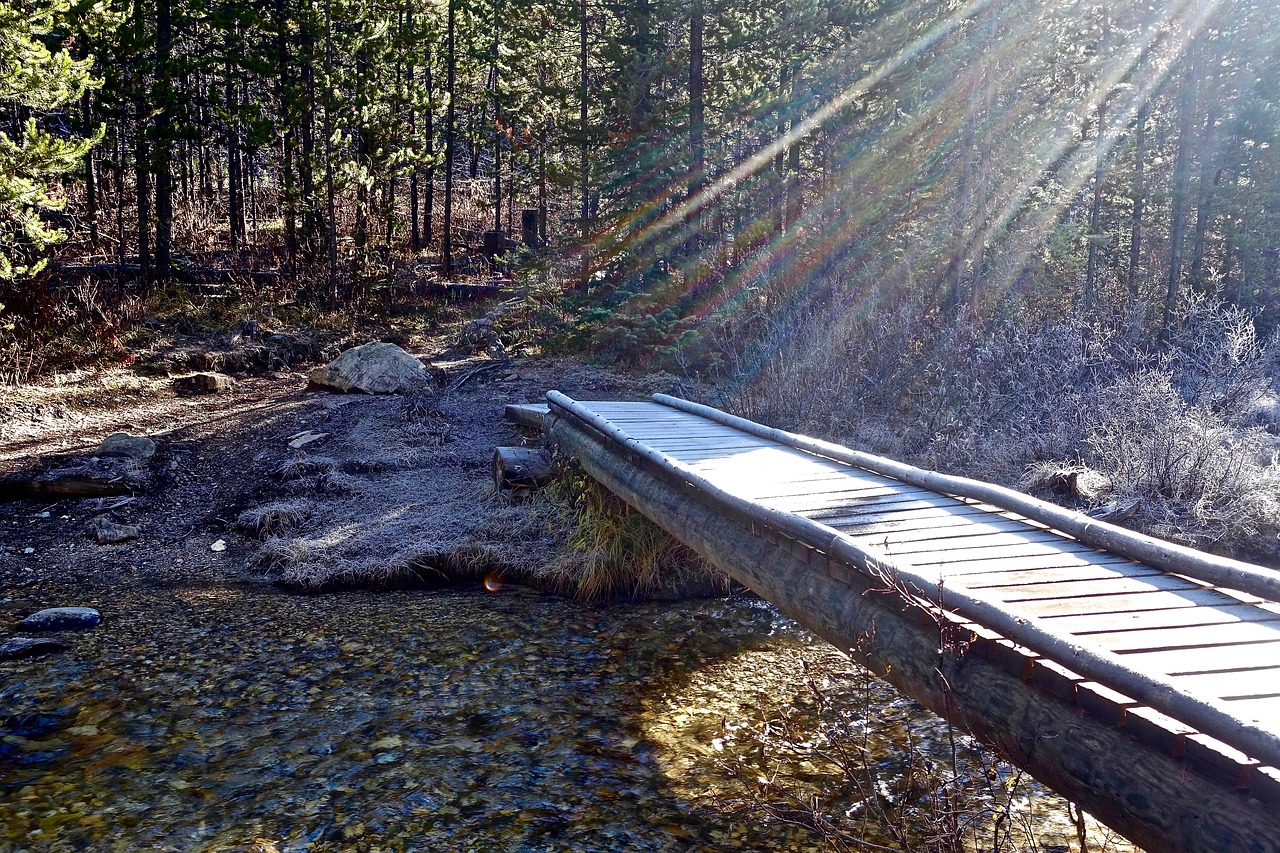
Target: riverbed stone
column 29, row 647
column 125, row 446
column 107, row 532
column 375, row 368
column 61, row 619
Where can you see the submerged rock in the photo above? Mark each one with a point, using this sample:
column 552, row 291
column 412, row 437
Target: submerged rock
column 377, row 368
column 29, row 647
column 61, row 619
column 125, row 446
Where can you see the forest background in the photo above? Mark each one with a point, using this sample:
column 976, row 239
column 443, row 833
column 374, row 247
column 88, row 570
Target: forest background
column 1035, row 242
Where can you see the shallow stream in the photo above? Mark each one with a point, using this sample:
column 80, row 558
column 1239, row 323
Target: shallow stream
column 214, row 717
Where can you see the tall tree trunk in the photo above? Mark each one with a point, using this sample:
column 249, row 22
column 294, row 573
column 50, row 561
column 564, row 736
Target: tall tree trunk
column 964, row 224
column 1187, row 102
column 363, row 152
column 164, row 139
column 310, row 204
column 331, row 226
column 1139, row 193
column 284, row 94
column 120, row 230
column 235, row 187
column 90, row 175
column 542, row 184
column 778, row 190
column 446, row 255
column 1089, row 297
column 1208, row 179
column 583, row 82
column 697, row 123
column 497, row 132
column 429, row 203
column 477, row 127
column 205, row 156
column 142, row 155
column 411, row 80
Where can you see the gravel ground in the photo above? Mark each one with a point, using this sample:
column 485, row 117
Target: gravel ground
column 391, row 489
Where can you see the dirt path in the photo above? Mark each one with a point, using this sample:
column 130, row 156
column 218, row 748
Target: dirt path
column 389, row 494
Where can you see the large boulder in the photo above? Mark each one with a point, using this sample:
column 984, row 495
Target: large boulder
column 377, row 368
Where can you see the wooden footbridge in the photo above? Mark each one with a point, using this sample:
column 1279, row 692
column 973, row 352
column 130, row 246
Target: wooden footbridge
column 1136, row 677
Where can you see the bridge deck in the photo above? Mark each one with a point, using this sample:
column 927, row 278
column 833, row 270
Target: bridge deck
column 1224, row 644
column 1208, row 640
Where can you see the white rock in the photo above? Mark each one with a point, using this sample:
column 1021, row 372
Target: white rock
column 377, row 368
column 304, row 438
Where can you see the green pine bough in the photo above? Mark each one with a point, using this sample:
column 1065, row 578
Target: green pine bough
column 38, row 81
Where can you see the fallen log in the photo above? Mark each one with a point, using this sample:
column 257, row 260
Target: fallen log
column 89, row 478
column 72, row 486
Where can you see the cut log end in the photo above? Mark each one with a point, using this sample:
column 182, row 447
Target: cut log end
column 522, row 467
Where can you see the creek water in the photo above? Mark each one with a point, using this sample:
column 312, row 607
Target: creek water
column 213, row 717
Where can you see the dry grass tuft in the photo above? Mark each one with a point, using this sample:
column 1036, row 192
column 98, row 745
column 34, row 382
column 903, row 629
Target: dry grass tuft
column 278, row 518
column 615, row 552
column 298, row 467
column 280, row 554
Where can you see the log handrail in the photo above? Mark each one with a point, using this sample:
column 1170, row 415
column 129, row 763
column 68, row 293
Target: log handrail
column 1107, row 668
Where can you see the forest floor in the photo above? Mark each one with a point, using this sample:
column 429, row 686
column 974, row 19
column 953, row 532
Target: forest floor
column 392, row 490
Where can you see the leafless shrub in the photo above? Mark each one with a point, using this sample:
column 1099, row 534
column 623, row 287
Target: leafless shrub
column 1176, row 425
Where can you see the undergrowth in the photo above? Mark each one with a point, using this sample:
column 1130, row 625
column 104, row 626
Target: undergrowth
column 1182, row 429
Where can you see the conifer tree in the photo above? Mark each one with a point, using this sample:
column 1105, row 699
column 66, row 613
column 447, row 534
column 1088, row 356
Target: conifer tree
column 34, row 82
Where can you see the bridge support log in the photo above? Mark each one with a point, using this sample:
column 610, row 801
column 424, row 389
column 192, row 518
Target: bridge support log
column 1149, row 796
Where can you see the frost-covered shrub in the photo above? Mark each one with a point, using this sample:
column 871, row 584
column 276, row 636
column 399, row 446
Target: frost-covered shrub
column 1177, row 422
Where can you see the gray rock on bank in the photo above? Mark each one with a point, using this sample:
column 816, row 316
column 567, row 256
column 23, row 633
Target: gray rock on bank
column 107, row 532
column 61, row 619
column 376, row 368
column 121, row 445
column 204, row 383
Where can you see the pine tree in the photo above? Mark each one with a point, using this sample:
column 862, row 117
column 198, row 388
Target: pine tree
column 34, row 83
